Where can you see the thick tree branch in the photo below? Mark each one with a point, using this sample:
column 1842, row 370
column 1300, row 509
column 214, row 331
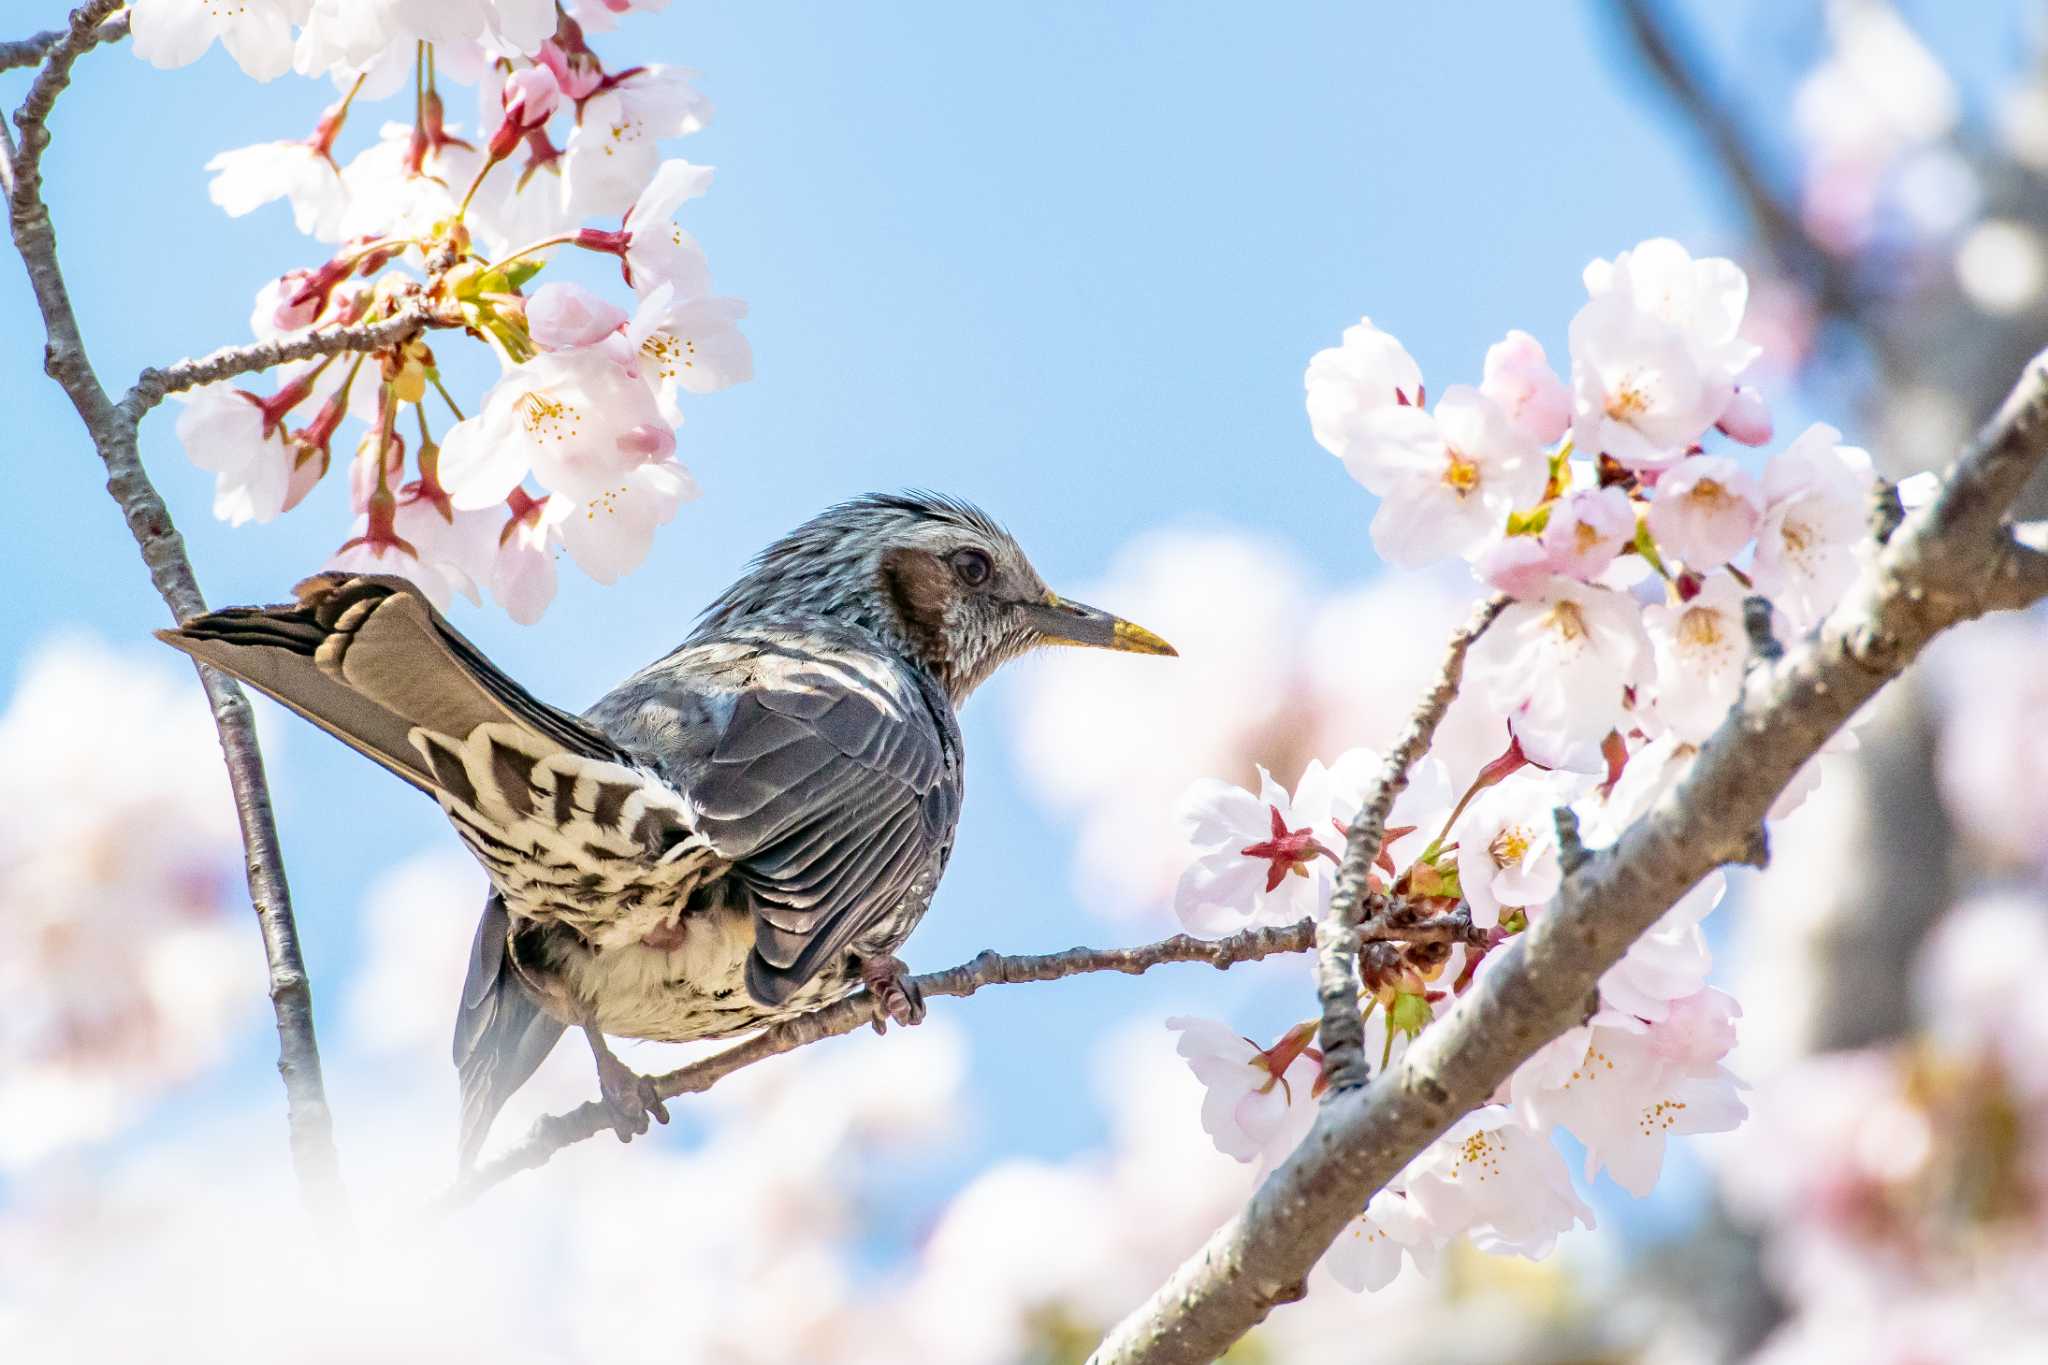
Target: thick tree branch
column 112, row 429
column 556, row 1131
column 1940, row 568
column 1677, row 67
column 1343, row 1028
column 153, row 385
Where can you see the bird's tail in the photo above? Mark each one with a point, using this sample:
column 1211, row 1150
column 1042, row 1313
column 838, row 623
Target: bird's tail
column 369, row 660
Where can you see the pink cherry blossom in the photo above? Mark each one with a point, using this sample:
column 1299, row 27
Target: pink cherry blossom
column 1587, row 529
column 1256, row 859
column 1257, row 1104
column 1707, row 508
column 528, row 98
column 522, row 574
column 1817, row 496
column 574, row 419
column 1557, row 666
column 1700, row 647
column 1348, row 383
column 561, row 315
column 1517, row 565
column 1747, row 418
column 1518, row 377
column 1446, row 480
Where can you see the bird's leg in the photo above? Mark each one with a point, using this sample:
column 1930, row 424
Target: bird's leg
column 896, row 993
column 629, row 1096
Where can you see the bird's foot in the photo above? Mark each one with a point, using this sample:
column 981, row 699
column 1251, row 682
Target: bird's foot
column 629, row 1097
column 896, row 992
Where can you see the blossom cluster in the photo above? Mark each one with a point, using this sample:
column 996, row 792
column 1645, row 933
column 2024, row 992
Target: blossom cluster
column 1640, row 548
column 573, row 448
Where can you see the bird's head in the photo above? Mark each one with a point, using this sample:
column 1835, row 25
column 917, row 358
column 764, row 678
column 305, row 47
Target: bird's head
column 933, row 576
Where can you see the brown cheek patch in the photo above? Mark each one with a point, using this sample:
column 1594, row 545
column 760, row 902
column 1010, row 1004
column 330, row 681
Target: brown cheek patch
column 922, row 589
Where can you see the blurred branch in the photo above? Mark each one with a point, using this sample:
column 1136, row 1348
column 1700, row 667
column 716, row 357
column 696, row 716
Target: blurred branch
column 1678, row 67
column 1337, row 984
column 413, row 317
column 31, row 51
column 112, row 428
column 1393, row 920
column 1937, row 570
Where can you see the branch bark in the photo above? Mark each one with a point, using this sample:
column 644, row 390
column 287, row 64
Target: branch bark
column 112, row 428
column 31, row 51
column 154, row 385
column 1342, row 1033
column 1392, row 921
column 1946, row 564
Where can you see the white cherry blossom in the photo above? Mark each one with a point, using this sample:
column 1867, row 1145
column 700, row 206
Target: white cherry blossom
column 1502, row 1183
column 256, row 33
column 1507, row 847
column 1668, row 963
column 1817, row 506
column 1250, row 1110
column 1633, row 1090
column 1446, row 480
column 522, row 575
column 229, row 433
column 1366, row 1256
column 656, row 250
column 1707, row 508
column 561, row 316
column 247, row 178
column 609, row 534
column 1348, row 383
column 575, row 419
column 689, row 345
column 614, row 150
column 1701, row 648
column 1556, row 666
column 1258, row 861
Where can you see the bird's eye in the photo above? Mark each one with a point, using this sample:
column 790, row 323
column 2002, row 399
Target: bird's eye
column 973, row 567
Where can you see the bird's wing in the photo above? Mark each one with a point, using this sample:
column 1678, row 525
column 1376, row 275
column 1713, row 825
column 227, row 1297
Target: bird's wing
column 830, row 790
column 502, row 1034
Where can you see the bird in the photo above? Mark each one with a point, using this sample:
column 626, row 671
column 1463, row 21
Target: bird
column 746, row 829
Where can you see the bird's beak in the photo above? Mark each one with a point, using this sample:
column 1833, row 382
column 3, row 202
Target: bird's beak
column 1059, row 621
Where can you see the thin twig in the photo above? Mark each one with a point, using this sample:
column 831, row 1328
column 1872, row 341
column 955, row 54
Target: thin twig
column 112, row 429
column 1936, row 571
column 1343, row 1028
column 152, row 385
column 556, row 1131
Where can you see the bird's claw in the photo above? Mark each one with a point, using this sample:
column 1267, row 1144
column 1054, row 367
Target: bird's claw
column 897, row 994
column 630, row 1098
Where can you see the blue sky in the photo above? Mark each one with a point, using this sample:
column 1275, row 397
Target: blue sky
column 1066, row 260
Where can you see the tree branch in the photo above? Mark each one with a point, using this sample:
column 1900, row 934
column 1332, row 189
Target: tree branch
column 1670, row 58
column 556, row 1131
column 112, row 429
column 31, row 51
column 151, row 387
column 1337, row 984
column 1937, row 570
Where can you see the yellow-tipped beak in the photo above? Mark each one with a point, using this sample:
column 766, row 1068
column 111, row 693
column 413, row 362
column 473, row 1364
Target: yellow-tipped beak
column 1059, row 621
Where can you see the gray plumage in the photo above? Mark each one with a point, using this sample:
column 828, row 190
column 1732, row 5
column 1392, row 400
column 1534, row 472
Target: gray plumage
column 746, row 829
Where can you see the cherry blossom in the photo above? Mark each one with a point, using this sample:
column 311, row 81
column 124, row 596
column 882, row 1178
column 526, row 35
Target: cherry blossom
column 653, row 247
column 1258, row 1103
column 613, row 152
column 1557, row 665
column 1668, row 963
column 1366, row 1256
column 608, row 535
column 1507, row 847
column 1501, row 1182
column 1348, row 383
column 575, row 419
column 1817, row 505
column 249, row 177
column 1256, row 857
column 240, row 439
column 1747, row 418
column 1633, row 1090
column 256, row 33
column 1446, row 480
column 1706, row 510
column 1519, row 379
column 561, row 316
column 522, row 573
column 1586, row 530
column 689, row 346
column 1701, row 647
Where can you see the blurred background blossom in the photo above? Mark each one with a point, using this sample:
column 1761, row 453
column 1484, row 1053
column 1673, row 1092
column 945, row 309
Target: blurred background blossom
column 1001, row 1183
